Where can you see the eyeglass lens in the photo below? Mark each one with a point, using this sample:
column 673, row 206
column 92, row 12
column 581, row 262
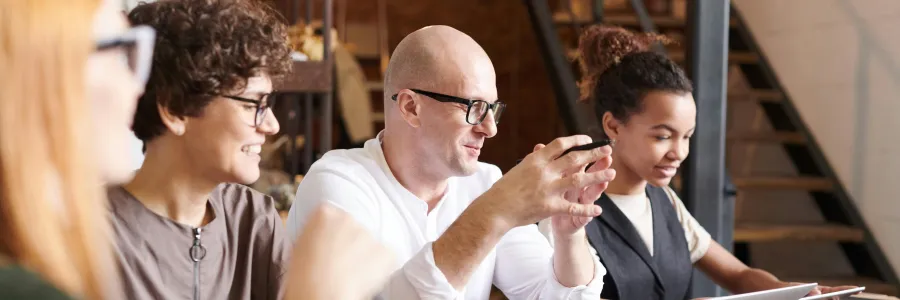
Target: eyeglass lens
column 478, row 112
column 265, row 102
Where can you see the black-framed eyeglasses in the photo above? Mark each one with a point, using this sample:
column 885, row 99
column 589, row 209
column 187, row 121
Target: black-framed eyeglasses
column 137, row 44
column 476, row 110
column 263, row 104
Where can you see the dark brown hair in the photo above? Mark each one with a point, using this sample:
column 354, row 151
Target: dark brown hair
column 619, row 68
column 204, row 48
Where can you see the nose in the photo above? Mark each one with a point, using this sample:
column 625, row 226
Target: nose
column 488, row 127
column 681, row 149
column 269, row 125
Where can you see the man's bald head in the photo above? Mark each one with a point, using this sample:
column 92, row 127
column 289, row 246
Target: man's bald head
column 442, row 59
column 426, row 131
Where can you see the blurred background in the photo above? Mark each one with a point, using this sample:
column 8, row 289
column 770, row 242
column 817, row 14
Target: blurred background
column 798, row 101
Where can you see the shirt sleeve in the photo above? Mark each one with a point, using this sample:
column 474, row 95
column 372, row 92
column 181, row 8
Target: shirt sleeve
column 420, row 276
column 698, row 239
column 335, row 188
column 524, row 269
column 417, row 278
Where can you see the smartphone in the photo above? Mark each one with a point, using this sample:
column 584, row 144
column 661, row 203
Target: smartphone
column 590, row 146
column 584, row 147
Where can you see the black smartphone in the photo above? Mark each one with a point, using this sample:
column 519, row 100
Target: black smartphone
column 589, row 146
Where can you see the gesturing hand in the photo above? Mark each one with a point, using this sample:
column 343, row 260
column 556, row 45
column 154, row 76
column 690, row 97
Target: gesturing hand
column 566, row 225
column 536, row 188
column 336, row 258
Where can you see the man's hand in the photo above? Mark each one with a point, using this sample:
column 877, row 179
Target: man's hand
column 532, row 191
column 565, row 226
column 571, row 254
column 536, row 188
column 336, row 258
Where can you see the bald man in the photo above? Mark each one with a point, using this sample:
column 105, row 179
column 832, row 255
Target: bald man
column 453, row 222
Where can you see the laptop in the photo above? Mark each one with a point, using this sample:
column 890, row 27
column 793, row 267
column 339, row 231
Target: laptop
column 786, row 293
column 840, row 294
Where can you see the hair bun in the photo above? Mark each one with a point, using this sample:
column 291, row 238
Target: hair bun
column 600, row 47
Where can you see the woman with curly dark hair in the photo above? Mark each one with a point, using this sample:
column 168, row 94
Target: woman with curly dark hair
column 186, row 227
column 646, row 238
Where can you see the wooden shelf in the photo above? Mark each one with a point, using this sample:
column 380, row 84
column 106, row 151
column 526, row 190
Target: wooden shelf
column 757, row 95
column 767, row 137
column 308, row 76
column 564, row 18
column 771, row 233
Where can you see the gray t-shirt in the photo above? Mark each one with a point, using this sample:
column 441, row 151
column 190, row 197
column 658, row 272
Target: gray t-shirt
column 246, row 250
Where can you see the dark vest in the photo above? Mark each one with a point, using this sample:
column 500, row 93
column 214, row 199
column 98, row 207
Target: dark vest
column 632, row 273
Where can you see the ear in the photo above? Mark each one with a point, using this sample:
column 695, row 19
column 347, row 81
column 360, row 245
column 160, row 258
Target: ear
column 611, row 125
column 175, row 124
column 409, row 108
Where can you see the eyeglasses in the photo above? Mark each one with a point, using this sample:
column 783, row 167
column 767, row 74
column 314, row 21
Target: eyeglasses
column 138, row 44
column 476, row 110
column 262, row 105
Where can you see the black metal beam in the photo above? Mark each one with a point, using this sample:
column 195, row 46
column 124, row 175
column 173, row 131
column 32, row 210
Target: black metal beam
column 574, row 116
column 598, row 11
column 643, row 16
column 327, row 99
column 704, row 176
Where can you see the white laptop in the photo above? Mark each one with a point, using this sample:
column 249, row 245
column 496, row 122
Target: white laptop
column 839, row 294
column 786, row 293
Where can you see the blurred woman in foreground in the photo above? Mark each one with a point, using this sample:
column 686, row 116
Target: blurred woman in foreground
column 58, row 146
column 52, row 221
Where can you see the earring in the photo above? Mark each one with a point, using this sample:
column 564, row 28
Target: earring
column 179, row 131
column 612, row 143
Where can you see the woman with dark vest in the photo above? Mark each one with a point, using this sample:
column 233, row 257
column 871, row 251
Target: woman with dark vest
column 646, row 238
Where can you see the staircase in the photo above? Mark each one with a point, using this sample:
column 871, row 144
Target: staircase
column 772, row 122
column 368, row 42
column 365, row 43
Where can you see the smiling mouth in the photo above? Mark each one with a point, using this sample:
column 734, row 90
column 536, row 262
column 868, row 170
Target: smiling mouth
column 252, row 149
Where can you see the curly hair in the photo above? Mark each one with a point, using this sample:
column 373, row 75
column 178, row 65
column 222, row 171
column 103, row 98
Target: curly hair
column 205, row 48
column 618, row 69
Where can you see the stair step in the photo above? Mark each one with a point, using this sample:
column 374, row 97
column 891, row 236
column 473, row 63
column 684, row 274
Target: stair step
column 362, row 38
column 679, row 56
column 783, row 137
column 375, row 85
column 784, row 182
column 742, row 57
column 564, row 18
column 757, row 95
column 734, row 57
column 360, row 56
column 820, row 232
column 378, row 116
column 872, row 285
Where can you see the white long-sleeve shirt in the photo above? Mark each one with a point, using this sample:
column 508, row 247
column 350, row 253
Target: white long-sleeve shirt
column 360, row 182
